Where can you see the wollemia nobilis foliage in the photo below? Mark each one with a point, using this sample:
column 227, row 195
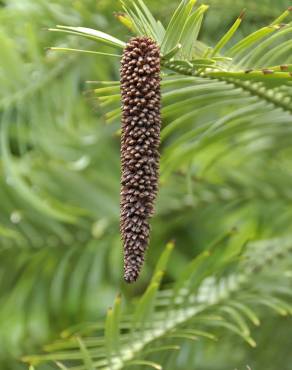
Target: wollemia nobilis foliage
column 141, row 121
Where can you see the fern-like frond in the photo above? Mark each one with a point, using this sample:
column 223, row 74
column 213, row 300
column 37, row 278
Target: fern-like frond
column 193, row 307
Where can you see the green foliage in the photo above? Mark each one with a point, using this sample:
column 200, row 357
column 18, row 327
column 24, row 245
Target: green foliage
column 198, row 303
column 225, row 189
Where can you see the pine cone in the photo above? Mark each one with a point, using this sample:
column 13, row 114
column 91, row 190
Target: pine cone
column 141, row 121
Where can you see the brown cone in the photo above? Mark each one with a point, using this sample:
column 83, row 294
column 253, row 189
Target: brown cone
column 141, row 121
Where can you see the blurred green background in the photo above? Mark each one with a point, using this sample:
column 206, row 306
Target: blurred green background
column 61, row 260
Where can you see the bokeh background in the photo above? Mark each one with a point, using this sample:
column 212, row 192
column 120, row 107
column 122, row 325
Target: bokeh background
column 60, row 250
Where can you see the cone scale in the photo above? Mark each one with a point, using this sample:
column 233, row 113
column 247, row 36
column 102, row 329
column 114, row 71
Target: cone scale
column 140, row 139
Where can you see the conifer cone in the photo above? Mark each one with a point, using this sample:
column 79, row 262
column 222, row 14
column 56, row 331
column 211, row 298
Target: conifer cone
column 141, row 121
